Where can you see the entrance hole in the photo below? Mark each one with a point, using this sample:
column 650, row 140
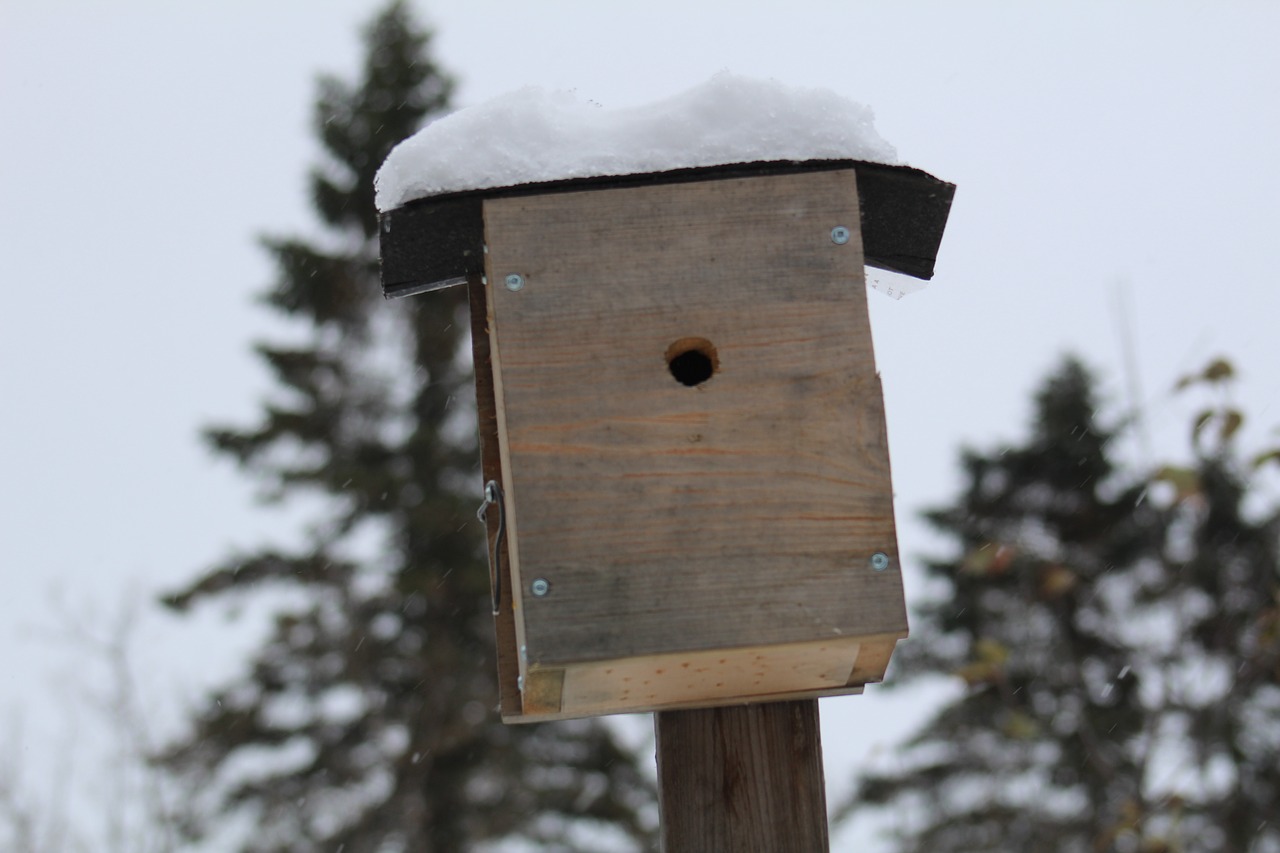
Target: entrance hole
column 692, row 361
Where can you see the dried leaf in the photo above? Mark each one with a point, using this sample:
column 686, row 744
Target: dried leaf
column 991, row 651
column 1185, row 481
column 980, row 672
column 1056, row 581
column 990, row 559
column 979, row 561
column 1266, row 456
column 1231, row 421
column 1219, row 370
column 1018, row 725
column 987, row 666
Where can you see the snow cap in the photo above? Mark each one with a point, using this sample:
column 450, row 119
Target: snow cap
column 533, row 135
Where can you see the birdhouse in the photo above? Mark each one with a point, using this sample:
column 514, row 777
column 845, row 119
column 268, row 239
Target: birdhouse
column 688, row 495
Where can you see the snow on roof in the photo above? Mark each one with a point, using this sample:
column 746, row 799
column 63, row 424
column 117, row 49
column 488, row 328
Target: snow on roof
column 533, row 135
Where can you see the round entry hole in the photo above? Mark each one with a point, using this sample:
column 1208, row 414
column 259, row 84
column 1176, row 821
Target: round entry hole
column 692, row 361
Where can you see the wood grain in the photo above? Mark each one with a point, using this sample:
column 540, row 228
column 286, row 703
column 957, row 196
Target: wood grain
column 738, row 513
column 708, row 678
column 682, row 678
column 745, row 779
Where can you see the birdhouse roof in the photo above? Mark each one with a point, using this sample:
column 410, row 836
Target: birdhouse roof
column 438, row 241
column 431, row 187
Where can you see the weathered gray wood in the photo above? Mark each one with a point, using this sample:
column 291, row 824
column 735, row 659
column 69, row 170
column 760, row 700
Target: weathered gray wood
column 737, row 513
column 744, row 779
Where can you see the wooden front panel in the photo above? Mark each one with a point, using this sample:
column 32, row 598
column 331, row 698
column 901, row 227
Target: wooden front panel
column 742, row 511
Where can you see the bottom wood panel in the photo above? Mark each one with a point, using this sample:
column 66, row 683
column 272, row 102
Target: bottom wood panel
column 702, row 679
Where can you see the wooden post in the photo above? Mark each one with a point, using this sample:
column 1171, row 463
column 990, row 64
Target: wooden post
column 743, row 778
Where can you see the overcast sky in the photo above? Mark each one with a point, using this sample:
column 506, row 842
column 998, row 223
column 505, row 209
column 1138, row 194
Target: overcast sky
column 1106, row 155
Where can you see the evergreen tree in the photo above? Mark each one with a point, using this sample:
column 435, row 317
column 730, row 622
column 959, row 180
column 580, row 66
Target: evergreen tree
column 367, row 722
column 1119, row 638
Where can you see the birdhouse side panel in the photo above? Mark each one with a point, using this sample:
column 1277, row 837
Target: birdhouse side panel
column 506, row 642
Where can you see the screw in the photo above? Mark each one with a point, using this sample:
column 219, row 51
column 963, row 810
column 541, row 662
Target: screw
column 520, row 683
column 515, row 282
column 540, row 587
column 839, row 235
column 879, row 561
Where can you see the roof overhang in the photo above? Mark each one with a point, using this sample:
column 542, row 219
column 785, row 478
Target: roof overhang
column 438, row 242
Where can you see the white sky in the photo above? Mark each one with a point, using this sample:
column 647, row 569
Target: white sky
column 1100, row 149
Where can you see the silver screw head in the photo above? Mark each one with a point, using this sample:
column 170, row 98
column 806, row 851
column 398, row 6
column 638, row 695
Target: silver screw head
column 515, row 282
column 540, row 587
column 879, row 561
column 839, row 235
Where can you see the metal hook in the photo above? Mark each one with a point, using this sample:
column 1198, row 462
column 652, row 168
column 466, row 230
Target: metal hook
column 492, row 496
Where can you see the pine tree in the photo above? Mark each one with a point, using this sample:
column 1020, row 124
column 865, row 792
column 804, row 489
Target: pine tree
column 367, row 722
column 1119, row 638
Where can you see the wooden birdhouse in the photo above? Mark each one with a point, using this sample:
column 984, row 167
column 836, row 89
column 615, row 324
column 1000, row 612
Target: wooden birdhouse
column 681, row 424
